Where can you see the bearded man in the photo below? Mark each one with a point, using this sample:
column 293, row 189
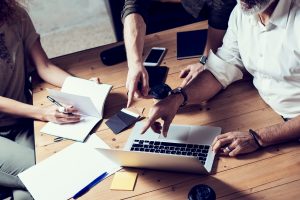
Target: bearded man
column 263, row 39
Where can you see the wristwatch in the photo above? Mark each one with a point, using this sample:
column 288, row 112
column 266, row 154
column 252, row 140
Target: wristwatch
column 181, row 91
column 203, row 59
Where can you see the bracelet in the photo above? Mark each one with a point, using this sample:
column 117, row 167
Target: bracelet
column 255, row 135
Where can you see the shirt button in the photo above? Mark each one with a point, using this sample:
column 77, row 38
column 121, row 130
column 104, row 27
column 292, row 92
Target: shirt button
column 261, row 55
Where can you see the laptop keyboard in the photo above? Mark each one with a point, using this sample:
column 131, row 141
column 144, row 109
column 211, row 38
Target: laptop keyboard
column 194, row 150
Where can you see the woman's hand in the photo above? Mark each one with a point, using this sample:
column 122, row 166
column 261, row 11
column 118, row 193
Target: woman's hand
column 52, row 114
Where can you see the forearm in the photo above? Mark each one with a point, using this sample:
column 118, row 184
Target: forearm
column 15, row 108
column 202, row 88
column 134, row 35
column 47, row 70
column 214, row 40
column 279, row 133
column 52, row 74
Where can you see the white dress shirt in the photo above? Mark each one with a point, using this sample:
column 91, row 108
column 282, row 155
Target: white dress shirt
column 270, row 53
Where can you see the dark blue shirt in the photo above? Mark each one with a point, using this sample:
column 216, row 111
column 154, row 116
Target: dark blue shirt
column 218, row 15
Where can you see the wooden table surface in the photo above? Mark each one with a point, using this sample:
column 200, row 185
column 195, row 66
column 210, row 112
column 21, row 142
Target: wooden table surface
column 271, row 173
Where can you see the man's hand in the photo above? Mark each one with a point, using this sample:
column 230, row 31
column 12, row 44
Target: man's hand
column 52, row 114
column 136, row 75
column 190, row 72
column 165, row 109
column 234, row 143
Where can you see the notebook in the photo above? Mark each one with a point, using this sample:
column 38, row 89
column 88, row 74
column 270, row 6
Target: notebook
column 121, row 120
column 191, row 44
column 88, row 98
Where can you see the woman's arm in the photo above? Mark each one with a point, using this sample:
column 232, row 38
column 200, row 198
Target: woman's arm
column 45, row 68
column 18, row 109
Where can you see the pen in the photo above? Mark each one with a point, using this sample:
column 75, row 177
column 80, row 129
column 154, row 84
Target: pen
column 61, row 108
column 89, row 186
column 58, row 139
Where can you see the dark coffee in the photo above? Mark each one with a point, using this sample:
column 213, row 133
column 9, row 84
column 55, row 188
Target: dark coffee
column 201, row 192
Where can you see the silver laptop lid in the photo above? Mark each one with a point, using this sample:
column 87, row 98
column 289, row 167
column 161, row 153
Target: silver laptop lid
column 203, row 135
column 177, row 133
column 154, row 161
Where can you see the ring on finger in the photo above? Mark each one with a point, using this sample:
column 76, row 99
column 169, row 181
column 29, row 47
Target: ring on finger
column 228, row 149
column 61, row 109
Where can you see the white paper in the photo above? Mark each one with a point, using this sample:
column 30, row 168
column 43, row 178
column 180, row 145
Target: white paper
column 65, row 173
column 82, row 103
column 74, row 131
column 130, row 113
column 88, row 98
column 96, row 92
column 95, row 142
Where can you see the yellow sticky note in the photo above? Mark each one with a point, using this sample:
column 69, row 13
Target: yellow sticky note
column 124, row 181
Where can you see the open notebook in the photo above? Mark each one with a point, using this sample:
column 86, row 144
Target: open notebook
column 88, row 98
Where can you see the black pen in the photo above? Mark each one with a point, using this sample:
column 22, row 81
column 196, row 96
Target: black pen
column 61, row 108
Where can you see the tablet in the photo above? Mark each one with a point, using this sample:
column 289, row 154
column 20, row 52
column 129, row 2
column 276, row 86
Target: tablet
column 191, row 44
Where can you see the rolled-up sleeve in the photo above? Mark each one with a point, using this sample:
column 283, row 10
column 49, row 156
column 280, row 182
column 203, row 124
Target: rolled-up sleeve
column 226, row 65
column 135, row 6
column 220, row 12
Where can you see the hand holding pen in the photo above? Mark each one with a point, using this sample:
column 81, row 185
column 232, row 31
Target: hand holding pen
column 60, row 114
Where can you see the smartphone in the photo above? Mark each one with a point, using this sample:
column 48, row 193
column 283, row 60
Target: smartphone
column 157, row 76
column 155, row 56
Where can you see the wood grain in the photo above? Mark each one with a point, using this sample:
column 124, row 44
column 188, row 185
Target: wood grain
column 271, row 173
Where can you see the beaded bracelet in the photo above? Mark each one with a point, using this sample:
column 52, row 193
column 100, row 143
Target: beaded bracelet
column 254, row 135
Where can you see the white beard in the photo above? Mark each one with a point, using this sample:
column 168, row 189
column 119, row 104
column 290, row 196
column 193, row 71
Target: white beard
column 260, row 6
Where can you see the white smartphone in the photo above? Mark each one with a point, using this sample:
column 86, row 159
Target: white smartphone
column 155, row 56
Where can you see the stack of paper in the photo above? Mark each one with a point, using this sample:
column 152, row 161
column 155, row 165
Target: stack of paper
column 67, row 172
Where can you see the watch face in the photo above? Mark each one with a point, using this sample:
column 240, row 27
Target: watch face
column 160, row 91
column 176, row 90
column 203, row 60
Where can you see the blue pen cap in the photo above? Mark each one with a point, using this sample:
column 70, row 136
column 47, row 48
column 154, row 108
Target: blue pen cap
column 201, row 192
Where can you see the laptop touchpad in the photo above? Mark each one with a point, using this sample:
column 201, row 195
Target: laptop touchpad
column 180, row 133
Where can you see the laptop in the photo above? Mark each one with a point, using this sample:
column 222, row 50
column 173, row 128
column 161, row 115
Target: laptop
column 186, row 149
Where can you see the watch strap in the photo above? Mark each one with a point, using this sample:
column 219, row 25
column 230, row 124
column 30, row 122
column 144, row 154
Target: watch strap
column 181, row 91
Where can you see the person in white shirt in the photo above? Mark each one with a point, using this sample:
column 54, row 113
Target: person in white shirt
column 263, row 39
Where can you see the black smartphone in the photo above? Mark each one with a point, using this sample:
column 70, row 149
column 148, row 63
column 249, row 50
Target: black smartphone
column 157, row 77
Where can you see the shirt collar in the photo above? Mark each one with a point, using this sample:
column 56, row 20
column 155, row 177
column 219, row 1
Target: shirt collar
column 279, row 16
column 281, row 13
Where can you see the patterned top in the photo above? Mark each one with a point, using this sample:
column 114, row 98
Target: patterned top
column 16, row 39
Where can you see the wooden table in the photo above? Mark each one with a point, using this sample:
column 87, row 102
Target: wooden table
column 272, row 173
